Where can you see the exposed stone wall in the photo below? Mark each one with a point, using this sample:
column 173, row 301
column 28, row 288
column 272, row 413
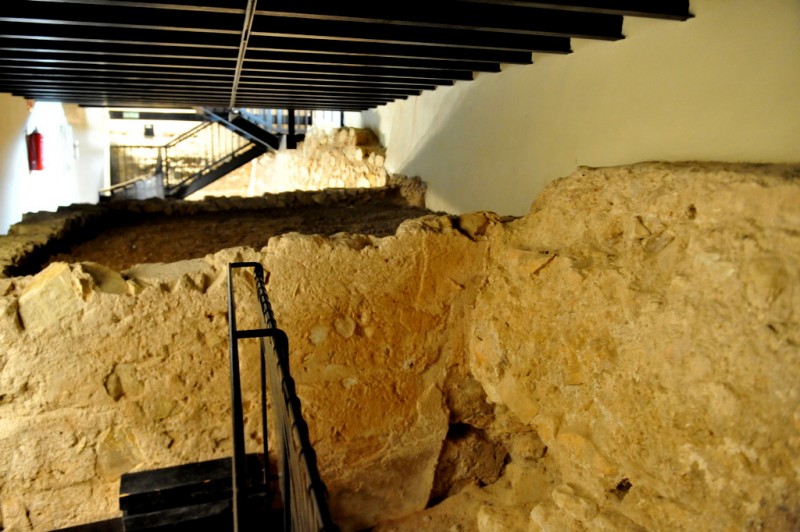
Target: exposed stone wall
column 337, row 158
column 625, row 357
column 644, row 320
column 344, row 157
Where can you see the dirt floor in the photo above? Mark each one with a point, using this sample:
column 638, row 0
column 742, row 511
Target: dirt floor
column 164, row 238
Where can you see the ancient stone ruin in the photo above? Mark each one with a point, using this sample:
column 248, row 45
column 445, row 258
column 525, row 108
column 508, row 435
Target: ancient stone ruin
column 623, row 357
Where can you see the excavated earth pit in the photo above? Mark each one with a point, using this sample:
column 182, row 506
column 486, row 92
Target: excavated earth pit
column 143, row 238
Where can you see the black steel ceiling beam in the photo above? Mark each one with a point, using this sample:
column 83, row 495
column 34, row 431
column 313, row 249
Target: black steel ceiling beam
column 122, row 15
column 46, row 47
column 147, row 115
column 183, row 63
column 300, row 94
column 227, row 67
column 100, row 35
column 55, row 71
column 254, row 104
column 212, row 6
column 258, row 56
column 139, row 101
column 54, row 49
column 73, row 72
column 32, row 82
column 344, row 80
column 304, row 103
column 181, row 92
column 372, row 85
column 196, row 98
column 12, row 86
column 388, row 33
column 266, row 101
column 405, row 50
column 664, row 9
column 450, row 15
column 254, row 67
column 114, row 39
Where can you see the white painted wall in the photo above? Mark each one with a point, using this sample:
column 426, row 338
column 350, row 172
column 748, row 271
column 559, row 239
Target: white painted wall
column 13, row 157
column 75, row 157
column 724, row 85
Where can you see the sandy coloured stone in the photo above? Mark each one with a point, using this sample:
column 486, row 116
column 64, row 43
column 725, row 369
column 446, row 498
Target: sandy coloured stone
column 635, row 335
column 53, row 297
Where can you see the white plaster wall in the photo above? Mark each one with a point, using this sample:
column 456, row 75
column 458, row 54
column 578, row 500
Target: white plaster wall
column 724, row 86
column 13, row 157
column 75, row 157
column 91, row 128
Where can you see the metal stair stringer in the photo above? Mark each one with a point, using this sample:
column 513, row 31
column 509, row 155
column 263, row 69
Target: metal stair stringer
column 218, row 170
column 243, row 127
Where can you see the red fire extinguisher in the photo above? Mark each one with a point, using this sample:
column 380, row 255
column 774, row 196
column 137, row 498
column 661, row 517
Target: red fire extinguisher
column 35, row 160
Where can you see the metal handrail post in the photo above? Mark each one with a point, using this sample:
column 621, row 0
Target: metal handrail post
column 239, row 467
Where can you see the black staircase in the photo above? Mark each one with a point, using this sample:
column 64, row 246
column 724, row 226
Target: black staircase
column 225, row 141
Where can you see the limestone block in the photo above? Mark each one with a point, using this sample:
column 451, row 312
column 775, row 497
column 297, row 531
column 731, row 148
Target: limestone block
column 579, row 508
column 498, row 518
column 458, row 513
column 14, row 514
column 104, row 279
column 197, row 272
column 117, row 453
column 124, row 381
column 475, row 224
column 54, row 296
column 546, row 517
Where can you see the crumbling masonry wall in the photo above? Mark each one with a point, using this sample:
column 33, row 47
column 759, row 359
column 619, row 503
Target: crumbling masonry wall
column 624, row 357
column 336, row 158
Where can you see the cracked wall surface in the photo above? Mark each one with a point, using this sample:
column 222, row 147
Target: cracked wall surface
column 624, row 357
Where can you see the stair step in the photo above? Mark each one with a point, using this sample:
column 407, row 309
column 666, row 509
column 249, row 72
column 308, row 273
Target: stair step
column 186, row 485
column 213, row 515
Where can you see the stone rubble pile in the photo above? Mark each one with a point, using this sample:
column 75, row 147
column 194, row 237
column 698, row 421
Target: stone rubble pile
column 624, row 357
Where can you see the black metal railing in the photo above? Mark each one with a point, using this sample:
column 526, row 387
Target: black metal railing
column 198, row 150
column 133, row 162
column 278, row 120
column 305, row 506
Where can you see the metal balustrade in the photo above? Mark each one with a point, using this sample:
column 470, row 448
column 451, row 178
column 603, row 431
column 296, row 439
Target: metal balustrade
column 200, row 156
column 303, row 493
column 278, row 120
column 199, row 151
column 196, row 153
